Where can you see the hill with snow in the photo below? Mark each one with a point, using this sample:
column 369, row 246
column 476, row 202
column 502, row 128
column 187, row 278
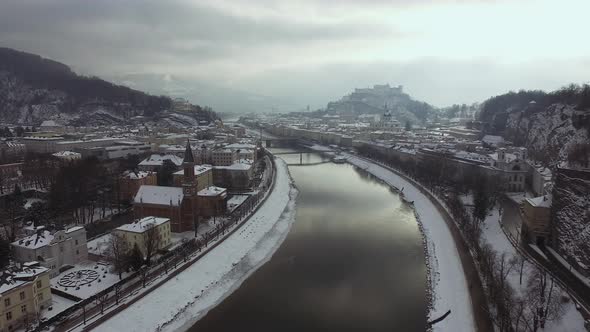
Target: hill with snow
column 34, row 89
column 378, row 99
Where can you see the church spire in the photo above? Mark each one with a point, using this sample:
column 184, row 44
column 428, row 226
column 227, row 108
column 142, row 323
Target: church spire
column 188, row 153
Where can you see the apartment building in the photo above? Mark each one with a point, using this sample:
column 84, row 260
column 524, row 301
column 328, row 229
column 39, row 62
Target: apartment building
column 23, row 294
column 138, row 233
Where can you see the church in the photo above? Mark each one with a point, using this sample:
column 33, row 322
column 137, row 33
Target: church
column 185, row 206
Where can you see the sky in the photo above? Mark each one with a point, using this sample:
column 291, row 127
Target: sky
column 315, row 51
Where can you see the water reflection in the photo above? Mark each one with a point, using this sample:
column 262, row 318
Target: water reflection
column 352, row 261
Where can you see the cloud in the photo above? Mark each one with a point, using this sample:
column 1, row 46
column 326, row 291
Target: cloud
column 314, row 50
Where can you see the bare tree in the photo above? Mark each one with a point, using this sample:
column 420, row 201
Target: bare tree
column 542, row 301
column 101, row 300
column 118, row 252
column 151, row 242
column 117, row 292
column 143, row 273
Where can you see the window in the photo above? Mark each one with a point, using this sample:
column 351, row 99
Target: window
column 7, row 302
column 9, row 315
column 76, row 242
column 39, row 284
column 77, row 252
column 23, row 308
column 40, row 296
column 22, row 295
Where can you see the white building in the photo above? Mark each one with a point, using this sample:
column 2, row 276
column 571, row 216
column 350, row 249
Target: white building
column 52, row 250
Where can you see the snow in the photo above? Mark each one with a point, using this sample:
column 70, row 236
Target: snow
column 158, row 160
column 567, row 265
column 159, row 195
column 141, row 225
column 30, row 201
column 35, row 241
column 235, row 201
column 541, row 201
column 538, row 251
column 449, row 285
column 572, row 320
column 211, row 191
column 58, row 304
column 107, row 279
column 99, row 245
column 178, row 304
column 199, row 169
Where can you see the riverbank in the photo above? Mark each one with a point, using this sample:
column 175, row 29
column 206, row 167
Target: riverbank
column 179, row 303
column 450, row 288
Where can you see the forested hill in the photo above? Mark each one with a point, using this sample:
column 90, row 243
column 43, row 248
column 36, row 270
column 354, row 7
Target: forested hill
column 550, row 124
column 33, row 89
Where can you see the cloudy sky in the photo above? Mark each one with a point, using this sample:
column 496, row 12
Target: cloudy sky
column 442, row 51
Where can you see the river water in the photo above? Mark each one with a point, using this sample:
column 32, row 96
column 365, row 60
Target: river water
column 353, row 260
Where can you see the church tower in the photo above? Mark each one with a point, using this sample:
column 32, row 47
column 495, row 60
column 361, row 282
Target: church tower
column 189, row 190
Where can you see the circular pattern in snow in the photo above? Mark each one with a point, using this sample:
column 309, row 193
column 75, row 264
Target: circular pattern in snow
column 78, row 278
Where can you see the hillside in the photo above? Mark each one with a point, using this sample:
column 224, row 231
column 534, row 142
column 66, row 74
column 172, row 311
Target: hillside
column 549, row 124
column 571, row 217
column 375, row 100
column 34, row 89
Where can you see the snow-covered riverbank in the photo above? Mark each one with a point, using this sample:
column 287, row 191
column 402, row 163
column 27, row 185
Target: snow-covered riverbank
column 450, row 290
column 182, row 301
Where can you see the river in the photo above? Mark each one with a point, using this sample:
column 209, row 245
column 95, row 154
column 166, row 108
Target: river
column 353, row 260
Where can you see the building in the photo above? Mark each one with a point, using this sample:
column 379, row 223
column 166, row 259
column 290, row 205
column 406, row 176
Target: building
column 237, row 176
column 536, row 216
column 203, row 177
column 147, row 229
column 212, row 201
column 162, row 202
column 120, row 149
column 512, row 167
column 52, row 249
column 51, row 126
column 131, row 181
column 156, row 161
column 23, row 294
column 223, row 157
column 181, row 204
column 55, row 144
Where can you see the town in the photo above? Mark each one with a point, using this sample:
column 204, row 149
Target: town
column 91, row 207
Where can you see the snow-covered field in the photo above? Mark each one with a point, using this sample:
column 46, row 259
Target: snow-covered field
column 449, row 283
column 179, row 303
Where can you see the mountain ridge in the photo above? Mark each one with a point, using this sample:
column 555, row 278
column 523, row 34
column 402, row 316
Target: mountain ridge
column 34, row 89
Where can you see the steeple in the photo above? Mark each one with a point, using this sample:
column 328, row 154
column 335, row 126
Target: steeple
column 188, row 153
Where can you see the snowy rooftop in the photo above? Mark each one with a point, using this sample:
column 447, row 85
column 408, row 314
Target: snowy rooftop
column 159, row 195
column 241, row 146
column 135, row 175
column 541, row 201
column 212, row 191
column 199, row 169
column 70, row 154
column 158, row 160
column 35, row 241
column 142, row 225
column 243, row 165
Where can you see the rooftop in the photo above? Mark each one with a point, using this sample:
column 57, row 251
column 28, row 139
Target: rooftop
column 142, row 225
column 159, row 195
